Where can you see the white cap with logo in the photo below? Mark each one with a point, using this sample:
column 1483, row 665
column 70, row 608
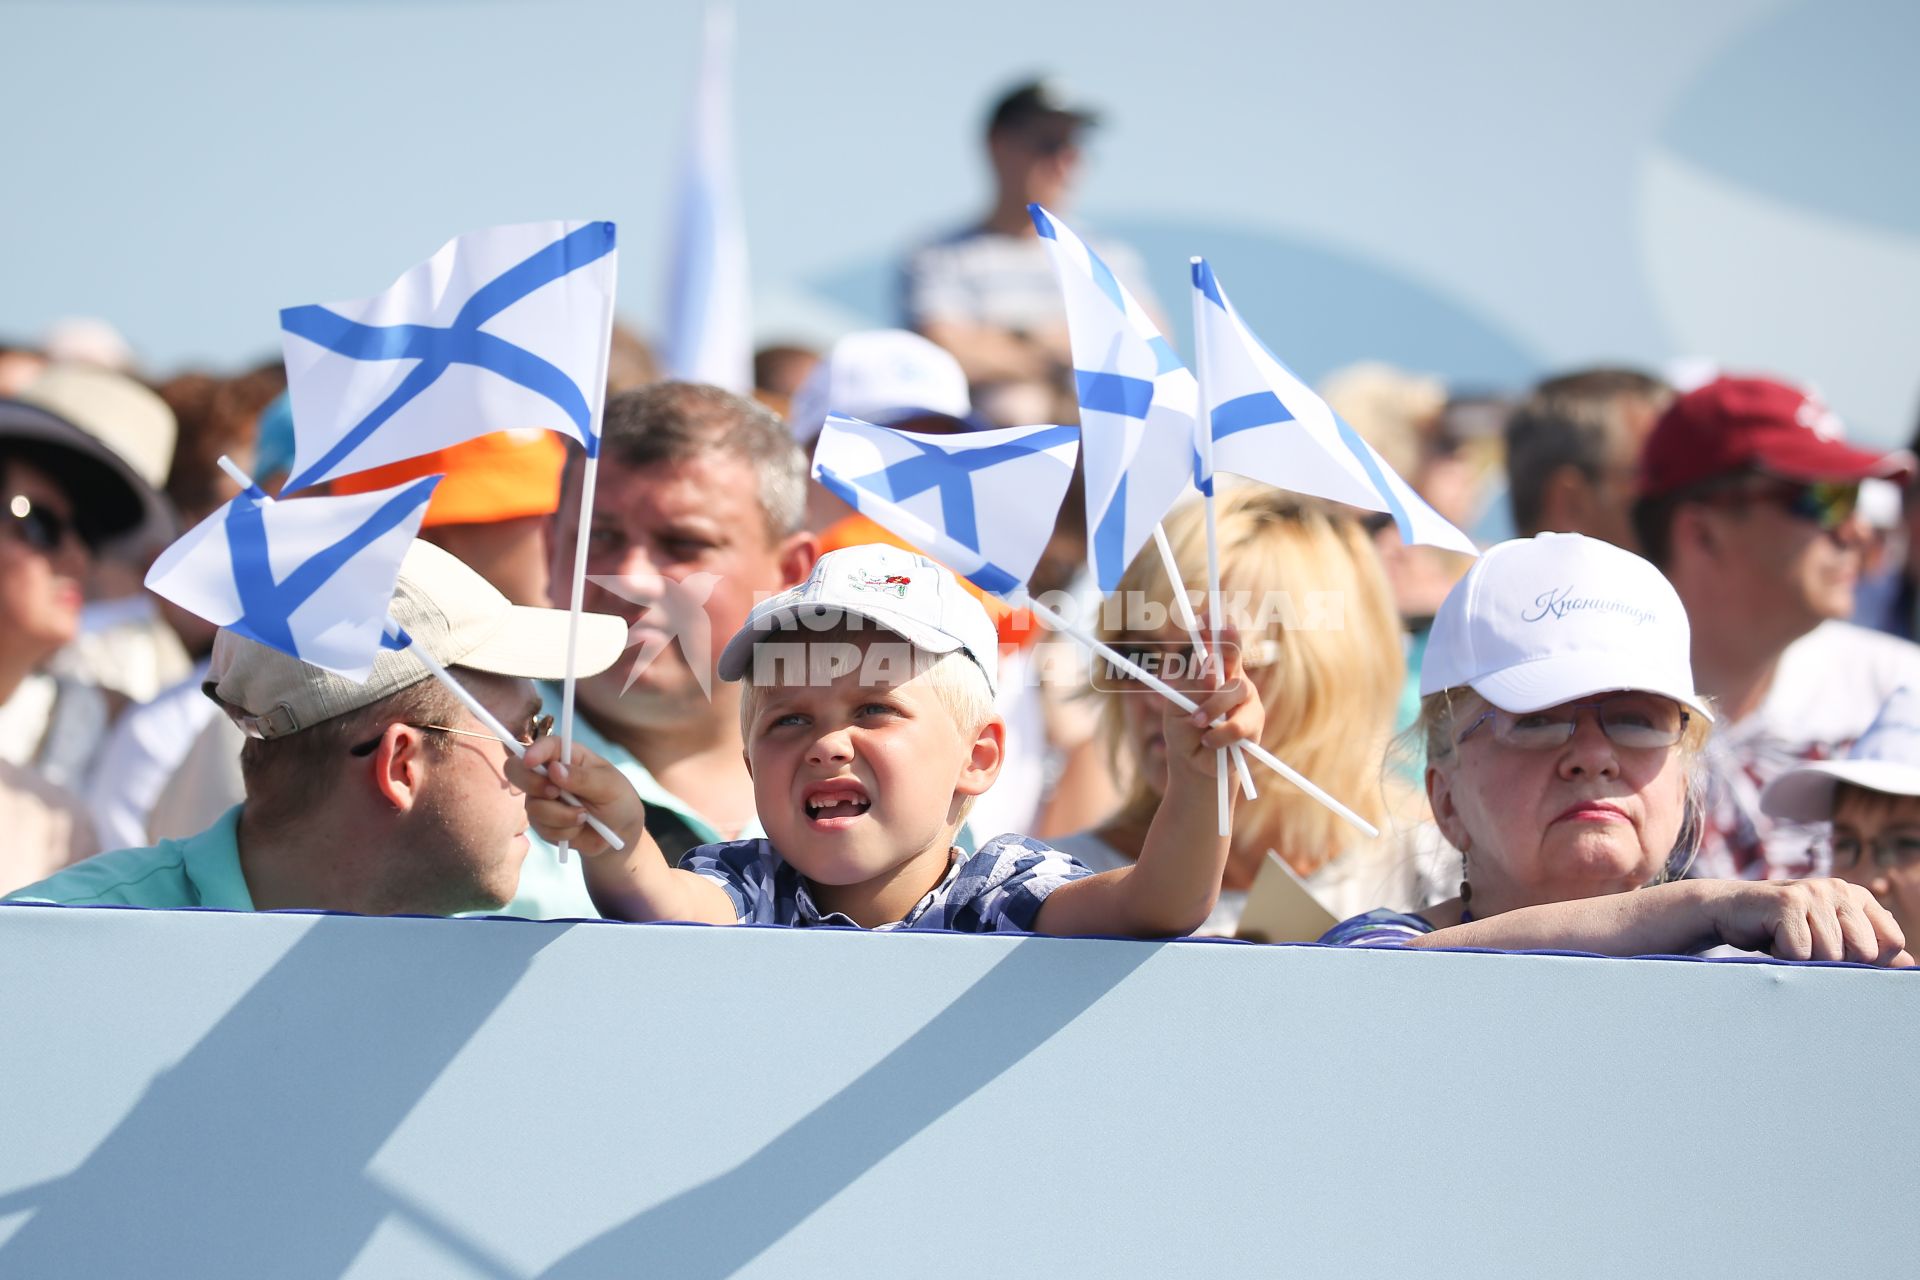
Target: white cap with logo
column 1886, row 759
column 457, row 615
column 900, row 590
column 1544, row 620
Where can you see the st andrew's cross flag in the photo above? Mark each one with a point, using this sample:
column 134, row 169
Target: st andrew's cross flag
column 503, row 328
column 982, row 503
column 313, row 577
column 1270, row 426
column 1137, row 403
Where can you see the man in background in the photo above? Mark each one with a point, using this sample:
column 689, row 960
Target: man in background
column 987, row 292
column 1573, row 451
column 1748, row 504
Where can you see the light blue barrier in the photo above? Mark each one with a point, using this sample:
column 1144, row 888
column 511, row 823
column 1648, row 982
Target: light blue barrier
column 211, row 1095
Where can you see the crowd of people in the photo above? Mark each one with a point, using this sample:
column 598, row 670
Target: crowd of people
column 1674, row 705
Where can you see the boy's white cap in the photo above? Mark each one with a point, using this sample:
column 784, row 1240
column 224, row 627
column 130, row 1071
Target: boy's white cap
column 880, row 376
column 1886, row 758
column 1544, row 620
column 902, row 591
column 457, row 615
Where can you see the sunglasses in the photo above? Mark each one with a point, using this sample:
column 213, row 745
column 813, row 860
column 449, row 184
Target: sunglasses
column 40, row 528
column 534, row 730
column 1634, row 721
column 1828, row 504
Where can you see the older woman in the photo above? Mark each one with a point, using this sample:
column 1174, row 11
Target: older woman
column 1319, row 636
column 1562, row 730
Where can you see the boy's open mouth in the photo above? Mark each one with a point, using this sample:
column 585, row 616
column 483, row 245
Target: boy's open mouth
column 835, row 803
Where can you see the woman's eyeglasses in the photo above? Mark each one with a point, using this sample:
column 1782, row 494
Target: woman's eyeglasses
column 1889, row 851
column 534, row 730
column 1636, row 721
column 38, row 526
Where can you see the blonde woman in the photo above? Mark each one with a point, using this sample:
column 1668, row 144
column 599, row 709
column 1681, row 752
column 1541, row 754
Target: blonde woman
column 1563, row 736
column 1311, row 610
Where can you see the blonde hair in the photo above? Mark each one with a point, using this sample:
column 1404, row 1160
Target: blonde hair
column 1433, row 732
column 1320, row 640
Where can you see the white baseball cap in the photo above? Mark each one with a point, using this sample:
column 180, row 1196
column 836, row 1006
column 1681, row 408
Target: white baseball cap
column 457, row 615
column 880, row 376
column 1886, row 758
column 1544, row 620
column 900, row 590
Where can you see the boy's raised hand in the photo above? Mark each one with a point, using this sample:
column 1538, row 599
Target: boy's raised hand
column 1193, row 739
column 601, row 788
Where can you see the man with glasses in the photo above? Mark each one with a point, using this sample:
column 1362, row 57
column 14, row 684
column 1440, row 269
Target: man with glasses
column 987, row 293
column 382, row 798
column 1747, row 495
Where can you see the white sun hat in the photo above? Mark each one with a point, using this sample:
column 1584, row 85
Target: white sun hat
column 1886, row 758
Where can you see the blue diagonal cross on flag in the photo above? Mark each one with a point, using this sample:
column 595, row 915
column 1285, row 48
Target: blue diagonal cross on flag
column 1137, row 403
column 312, row 578
column 503, row 328
column 982, row 503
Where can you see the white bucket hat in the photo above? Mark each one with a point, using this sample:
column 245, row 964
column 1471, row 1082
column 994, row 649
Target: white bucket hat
column 1556, row 617
column 1886, row 758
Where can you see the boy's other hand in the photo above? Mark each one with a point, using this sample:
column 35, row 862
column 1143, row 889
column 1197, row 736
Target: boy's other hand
column 1192, row 737
column 600, row 788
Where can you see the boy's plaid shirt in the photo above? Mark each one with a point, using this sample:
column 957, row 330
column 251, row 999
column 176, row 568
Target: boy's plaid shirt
column 998, row 889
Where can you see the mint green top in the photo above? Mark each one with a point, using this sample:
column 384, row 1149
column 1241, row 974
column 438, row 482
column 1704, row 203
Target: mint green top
column 197, row 871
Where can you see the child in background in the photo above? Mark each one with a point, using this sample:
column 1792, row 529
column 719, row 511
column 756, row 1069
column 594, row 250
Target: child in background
column 869, row 727
column 1872, row 797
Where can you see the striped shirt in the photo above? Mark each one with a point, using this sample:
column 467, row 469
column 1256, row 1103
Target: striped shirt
column 1377, row 928
column 999, row 889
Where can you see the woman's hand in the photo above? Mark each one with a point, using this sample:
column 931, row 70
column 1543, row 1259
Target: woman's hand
column 1805, row 920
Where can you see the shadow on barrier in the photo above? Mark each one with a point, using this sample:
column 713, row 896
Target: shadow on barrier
column 716, row 1228
column 289, row 1194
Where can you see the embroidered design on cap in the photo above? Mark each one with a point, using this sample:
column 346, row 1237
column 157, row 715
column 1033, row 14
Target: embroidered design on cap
column 1558, row 602
column 893, row 584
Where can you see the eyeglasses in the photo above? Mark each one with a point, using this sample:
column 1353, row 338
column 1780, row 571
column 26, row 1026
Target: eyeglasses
column 1900, row 849
column 535, row 729
column 1827, row 504
column 41, row 528
column 1635, row 721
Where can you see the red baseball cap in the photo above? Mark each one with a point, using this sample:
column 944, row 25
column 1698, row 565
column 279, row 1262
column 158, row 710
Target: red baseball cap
column 1732, row 425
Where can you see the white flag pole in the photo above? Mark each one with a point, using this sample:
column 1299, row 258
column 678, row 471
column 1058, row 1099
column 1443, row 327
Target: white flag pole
column 588, row 482
column 1203, row 423
column 1192, row 624
column 490, row 721
column 1181, row 700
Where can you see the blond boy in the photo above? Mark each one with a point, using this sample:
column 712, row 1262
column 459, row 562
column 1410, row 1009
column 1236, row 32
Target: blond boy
column 869, row 724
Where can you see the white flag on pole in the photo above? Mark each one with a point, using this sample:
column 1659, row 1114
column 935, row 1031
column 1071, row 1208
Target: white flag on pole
column 312, row 578
column 1270, row 426
column 982, row 503
column 1137, row 403
column 503, row 328
column 708, row 334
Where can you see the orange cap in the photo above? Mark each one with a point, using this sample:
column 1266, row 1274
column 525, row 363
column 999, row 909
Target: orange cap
column 502, row 476
column 1018, row 628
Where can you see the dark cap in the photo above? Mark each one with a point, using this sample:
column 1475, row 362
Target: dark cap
column 1038, row 100
column 109, row 498
column 1733, row 425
